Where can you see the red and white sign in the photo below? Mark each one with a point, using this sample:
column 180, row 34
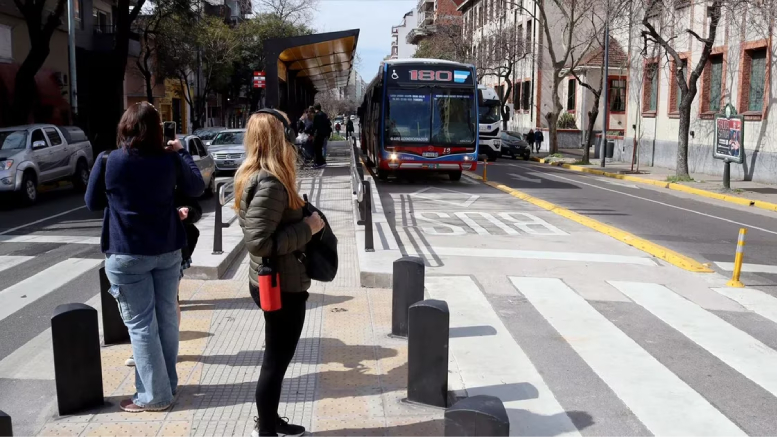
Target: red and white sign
column 259, row 79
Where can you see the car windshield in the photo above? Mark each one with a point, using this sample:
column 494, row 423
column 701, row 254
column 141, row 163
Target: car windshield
column 207, row 135
column 228, row 138
column 407, row 116
column 488, row 112
column 512, row 135
column 453, row 120
column 13, row 140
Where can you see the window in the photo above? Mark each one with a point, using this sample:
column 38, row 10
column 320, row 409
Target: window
column 54, row 137
column 713, row 84
column 79, row 15
column 520, row 48
column 617, row 95
column 650, row 90
column 526, row 96
column 37, row 135
column 405, row 110
column 102, row 21
column 517, row 96
column 675, row 97
column 453, row 117
column 571, row 94
column 757, row 80
column 6, row 43
column 528, row 37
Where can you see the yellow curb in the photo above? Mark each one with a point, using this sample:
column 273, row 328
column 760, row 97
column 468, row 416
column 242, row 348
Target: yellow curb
column 768, row 206
column 646, row 246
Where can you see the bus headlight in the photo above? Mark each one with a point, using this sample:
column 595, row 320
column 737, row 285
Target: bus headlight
column 393, row 157
column 468, row 158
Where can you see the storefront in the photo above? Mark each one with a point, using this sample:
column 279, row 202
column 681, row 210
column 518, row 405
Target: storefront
column 173, row 106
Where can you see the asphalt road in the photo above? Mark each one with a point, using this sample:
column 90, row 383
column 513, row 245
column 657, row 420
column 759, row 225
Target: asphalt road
column 705, row 231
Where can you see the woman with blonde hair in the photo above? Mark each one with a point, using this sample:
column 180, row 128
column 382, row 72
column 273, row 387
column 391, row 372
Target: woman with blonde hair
column 275, row 231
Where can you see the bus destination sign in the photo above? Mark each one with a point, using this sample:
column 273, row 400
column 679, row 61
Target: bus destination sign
column 422, row 74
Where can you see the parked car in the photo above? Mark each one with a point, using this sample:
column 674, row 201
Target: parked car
column 515, row 145
column 205, row 162
column 227, row 149
column 207, row 134
column 43, row 153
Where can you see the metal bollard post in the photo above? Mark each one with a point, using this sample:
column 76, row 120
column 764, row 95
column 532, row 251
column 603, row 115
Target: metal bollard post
column 114, row 329
column 427, row 353
column 77, row 366
column 6, row 430
column 735, row 282
column 369, row 244
column 217, row 225
column 485, row 170
column 479, row 415
column 408, row 288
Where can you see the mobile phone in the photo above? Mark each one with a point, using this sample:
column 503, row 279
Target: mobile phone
column 169, row 130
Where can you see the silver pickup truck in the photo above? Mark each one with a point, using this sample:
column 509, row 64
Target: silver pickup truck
column 43, row 153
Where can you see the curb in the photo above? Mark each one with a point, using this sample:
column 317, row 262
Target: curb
column 768, row 206
column 658, row 251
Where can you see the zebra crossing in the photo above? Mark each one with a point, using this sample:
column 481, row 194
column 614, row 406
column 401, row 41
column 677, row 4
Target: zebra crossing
column 653, row 362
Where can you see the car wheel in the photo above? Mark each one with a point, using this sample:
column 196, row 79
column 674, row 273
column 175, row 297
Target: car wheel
column 455, row 175
column 81, row 176
column 526, row 157
column 29, row 193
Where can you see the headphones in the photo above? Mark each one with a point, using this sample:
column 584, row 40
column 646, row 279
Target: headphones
column 291, row 135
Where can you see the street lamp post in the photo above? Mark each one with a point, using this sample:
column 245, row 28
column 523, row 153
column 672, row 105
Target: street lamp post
column 603, row 146
column 71, row 46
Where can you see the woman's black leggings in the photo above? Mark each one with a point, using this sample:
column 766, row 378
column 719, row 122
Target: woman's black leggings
column 282, row 330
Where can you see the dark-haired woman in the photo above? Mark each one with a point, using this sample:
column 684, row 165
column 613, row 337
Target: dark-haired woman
column 142, row 237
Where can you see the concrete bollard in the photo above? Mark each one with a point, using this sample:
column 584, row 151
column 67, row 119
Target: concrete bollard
column 114, row 329
column 408, row 288
column 77, row 366
column 427, row 353
column 6, row 430
column 477, row 416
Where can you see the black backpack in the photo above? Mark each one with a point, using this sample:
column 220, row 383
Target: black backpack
column 320, row 257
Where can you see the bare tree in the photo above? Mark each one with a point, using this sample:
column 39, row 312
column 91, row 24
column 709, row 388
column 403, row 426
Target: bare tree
column 39, row 30
column 670, row 38
column 295, row 12
column 445, row 43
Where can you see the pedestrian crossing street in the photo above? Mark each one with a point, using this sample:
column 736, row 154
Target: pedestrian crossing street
column 654, row 363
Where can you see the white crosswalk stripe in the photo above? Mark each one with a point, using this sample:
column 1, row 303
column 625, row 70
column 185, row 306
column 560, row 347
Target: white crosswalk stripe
column 63, row 239
column 23, row 293
column 754, row 300
column 662, row 401
column 8, row 261
column 740, row 351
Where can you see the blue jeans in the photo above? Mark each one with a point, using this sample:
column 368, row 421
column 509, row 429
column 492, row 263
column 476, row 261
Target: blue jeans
column 146, row 289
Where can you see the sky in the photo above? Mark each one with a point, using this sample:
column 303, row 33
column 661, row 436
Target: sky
column 373, row 18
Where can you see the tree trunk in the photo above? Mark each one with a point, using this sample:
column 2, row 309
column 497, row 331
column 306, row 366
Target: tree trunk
column 682, row 138
column 149, row 88
column 24, row 84
column 592, row 116
column 552, row 118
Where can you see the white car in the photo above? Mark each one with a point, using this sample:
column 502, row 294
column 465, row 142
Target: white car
column 206, row 164
column 227, row 149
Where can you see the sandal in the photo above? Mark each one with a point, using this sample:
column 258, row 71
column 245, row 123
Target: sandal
column 129, row 406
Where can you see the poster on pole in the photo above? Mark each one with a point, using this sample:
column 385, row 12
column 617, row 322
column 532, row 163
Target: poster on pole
column 259, row 79
column 729, row 136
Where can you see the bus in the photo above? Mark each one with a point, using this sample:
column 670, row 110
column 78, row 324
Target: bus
column 421, row 114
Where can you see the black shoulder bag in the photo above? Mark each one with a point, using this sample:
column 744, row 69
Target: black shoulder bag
column 320, row 257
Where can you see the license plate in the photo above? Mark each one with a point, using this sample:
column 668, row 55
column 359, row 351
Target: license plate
column 430, row 154
column 229, row 163
column 430, row 166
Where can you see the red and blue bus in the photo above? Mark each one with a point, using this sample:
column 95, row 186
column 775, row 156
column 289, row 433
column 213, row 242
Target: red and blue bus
column 421, row 114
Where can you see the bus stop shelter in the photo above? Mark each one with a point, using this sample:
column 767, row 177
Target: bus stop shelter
column 299, row 67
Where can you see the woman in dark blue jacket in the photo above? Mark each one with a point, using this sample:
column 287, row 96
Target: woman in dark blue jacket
column 142, row 238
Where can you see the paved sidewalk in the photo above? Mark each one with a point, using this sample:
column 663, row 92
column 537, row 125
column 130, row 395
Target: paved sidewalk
column 347, row 378
column 739, row 188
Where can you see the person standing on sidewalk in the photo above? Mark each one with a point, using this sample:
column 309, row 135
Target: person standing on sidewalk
column 538, row 138
column 348, row 128
column 322, row 128
column 530, row 139
column 270, row 212
column 142, row 238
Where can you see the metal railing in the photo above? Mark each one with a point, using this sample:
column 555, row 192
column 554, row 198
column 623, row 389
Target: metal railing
column 363, row 193
column 226, row 194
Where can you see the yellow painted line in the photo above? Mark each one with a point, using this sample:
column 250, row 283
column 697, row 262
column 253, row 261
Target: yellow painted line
column 646, row 246
column 768, row 206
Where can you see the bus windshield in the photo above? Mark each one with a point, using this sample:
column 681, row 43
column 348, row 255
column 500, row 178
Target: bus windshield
column 423, row 116
column 489, row 111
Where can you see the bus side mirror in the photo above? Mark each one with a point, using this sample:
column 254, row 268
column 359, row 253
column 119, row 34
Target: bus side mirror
column 507, row 113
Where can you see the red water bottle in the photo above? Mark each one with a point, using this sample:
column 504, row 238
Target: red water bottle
column 269, row 289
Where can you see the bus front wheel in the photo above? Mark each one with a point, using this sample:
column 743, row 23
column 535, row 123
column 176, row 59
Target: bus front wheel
column 383, row 175
column 455, row 175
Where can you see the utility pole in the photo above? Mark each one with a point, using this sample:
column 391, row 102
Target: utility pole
column 199, row 104
column 603, row 146
column 71, row 47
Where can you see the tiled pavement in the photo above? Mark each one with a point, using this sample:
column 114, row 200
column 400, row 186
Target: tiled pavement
column 348, row 376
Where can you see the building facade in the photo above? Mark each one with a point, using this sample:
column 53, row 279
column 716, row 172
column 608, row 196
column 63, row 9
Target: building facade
column 431, row 13
column 400, row 48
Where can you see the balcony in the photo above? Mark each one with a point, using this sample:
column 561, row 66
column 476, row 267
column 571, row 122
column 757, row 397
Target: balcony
column 416, row 35
column 425, row 18
column 104, row 37
column 425, row 5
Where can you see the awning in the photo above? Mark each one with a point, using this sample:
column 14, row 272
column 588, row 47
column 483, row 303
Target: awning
column 324, row 60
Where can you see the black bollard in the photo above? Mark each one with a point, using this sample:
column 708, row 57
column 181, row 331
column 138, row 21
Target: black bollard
column 427, row 353
column 114, row 329
column 77, row 366
column 6, row 430
column 408, row 288
column 479, row 415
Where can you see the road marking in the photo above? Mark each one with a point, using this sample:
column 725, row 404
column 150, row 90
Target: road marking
column 749, row 268
column 449, row 197
column 740, row 351
column 496, row 363
column 666, row 204
column 654, row 249
column 620, row 184
column 8, row 231
column 8, row 261
column 534, row 254
column 754, row 300
column 464, row 216
column 660, row 399
column 23, row 293
column 64, row 239
column 524, row 178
